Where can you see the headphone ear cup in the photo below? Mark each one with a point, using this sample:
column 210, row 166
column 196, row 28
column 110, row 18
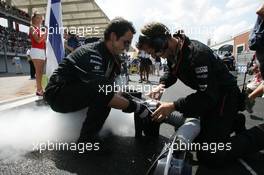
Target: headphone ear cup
column 158, row 44
column 143, row 40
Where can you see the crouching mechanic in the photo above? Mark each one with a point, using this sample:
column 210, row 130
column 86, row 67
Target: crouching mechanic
column 82, row 78
column 216, row 101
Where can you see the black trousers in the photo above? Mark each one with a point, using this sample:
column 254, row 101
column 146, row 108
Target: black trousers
column 216, row 128
column 64, row 97
column 32, row 69
column 260, row 57
column 94, row 122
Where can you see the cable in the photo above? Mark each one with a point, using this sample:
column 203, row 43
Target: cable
column 165, row 150
column 252, row 172
column 156, row 160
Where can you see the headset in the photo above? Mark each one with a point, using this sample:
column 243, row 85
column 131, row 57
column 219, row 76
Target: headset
column 158, row 43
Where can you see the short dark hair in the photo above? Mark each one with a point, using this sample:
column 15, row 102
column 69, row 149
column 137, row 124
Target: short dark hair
column 119, row 26
column 155, row 35
column 155, row 29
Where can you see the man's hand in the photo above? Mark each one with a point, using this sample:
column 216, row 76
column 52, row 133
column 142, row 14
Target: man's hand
column 163, row 111
column 157, row 92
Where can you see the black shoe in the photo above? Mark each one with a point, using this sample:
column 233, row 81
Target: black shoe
column 261, row 126
column 239, row 124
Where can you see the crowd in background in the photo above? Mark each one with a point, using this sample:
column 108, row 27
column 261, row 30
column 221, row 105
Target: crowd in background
column 15, row 41
column 13, row 11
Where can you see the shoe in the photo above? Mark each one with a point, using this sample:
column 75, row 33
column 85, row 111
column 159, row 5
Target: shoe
column 239, row 124
column 261, row 126
column 39, row 93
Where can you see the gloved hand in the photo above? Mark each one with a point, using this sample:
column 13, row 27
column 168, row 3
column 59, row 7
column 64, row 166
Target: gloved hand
column 142, row 109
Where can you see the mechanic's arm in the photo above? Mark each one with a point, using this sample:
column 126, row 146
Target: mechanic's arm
column 196, row 103
column 207, row 95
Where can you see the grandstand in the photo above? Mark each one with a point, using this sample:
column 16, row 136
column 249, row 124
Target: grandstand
column 84, row 17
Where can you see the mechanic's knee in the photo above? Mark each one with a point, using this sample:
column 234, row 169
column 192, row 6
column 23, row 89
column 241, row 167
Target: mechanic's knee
column 189, row 130
column 60, row 109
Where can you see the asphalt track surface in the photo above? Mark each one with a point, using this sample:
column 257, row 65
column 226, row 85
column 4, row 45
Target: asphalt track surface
column 124, row 154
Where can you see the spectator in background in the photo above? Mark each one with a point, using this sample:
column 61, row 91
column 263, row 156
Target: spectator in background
column 164, row 64
column 144, row 66
column 256, row 39
column 17, row 62
column 71, row 42
column 229, row 61
column 259, row 91
column 157, row 65
column 31, row 65
column 37, row 52
column 124, row 67
column 152, row 65
column 250, row 101
column 256, row 79
column 254, row 83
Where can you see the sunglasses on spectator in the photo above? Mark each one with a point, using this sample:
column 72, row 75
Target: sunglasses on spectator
column 127, row 43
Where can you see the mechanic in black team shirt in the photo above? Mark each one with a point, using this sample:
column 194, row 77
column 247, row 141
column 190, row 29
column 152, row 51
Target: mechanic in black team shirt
column 216, row 101
column 82, row 78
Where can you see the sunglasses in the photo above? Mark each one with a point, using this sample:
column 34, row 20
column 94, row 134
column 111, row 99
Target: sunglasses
column 160, row 51
column 127, row 42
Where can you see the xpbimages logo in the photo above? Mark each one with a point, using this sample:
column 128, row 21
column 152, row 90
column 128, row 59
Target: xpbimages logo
column 60, row 146
column 212, row 147
column 81, row 31
column 106, row 89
